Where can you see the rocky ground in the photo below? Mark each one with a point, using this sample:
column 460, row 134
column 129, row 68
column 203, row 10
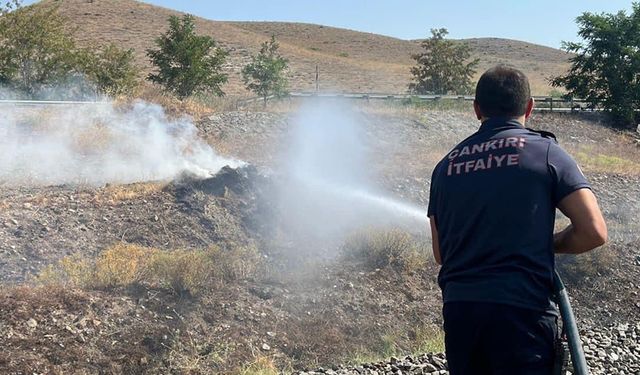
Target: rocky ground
column 608, row 350
column 347, row 305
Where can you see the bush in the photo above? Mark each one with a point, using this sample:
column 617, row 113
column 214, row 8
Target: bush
column 386, row 248
column 428, row 339
column 122, row 265
column 110, row 69
column 424, row 339
column 262, row 365
column 182, row 271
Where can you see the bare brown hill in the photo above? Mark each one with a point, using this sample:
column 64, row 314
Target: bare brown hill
column 348, row 60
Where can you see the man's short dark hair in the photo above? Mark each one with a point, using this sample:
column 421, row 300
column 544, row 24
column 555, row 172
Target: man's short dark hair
column 503, row 91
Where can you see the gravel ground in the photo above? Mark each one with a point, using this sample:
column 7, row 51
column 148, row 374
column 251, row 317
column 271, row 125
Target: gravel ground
column 606, row 300
column 40, row 225
column 611, row 350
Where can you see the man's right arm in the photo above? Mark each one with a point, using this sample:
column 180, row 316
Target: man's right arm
column 588, row 229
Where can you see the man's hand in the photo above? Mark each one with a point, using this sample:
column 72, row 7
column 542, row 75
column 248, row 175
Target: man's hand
column 587, row 230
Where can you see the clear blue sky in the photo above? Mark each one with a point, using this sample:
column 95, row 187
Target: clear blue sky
column 546, row 22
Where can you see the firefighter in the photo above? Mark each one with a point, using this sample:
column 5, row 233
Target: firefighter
column 492, row 209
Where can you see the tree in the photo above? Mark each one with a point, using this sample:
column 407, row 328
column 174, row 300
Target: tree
column 604, row 69
column 35, row 47
column 442, row 68
column 111, row 69
column 38, row 54
column 8, row 6
column 187, row 63
column 265, row 75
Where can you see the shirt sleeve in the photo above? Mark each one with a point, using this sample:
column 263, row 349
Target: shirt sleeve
column 431, row 210
column 565, row 173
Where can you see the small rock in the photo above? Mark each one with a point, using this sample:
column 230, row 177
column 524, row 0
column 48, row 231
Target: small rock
column 32, row 323
column 266, row 347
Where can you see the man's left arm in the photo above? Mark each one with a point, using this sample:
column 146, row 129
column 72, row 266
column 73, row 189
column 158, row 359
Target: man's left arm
column 431, row 213
column 434, row 240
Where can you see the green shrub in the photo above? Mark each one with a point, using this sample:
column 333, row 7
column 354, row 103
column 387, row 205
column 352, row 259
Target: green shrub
column 187, row 63
column 110, row 69
column 265, row 75
column 605, row 63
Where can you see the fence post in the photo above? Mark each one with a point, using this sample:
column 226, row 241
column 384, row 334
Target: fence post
column 551, row 104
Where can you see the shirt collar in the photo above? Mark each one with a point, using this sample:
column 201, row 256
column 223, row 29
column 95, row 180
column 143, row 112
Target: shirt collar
column 494, row 123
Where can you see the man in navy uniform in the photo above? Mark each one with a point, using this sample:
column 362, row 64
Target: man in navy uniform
column 492, row 209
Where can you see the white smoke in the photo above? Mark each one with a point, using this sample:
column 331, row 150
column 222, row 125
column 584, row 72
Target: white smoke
column 331, row 187
column 98, row 144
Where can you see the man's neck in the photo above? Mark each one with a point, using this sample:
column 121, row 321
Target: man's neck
column 520, row 119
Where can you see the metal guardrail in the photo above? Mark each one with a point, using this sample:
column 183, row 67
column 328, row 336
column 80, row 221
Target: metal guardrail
column 543, row 103
column 38, row 103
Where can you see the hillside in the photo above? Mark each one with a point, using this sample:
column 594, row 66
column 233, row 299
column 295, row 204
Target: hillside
column 348, row 60
column 304, row 301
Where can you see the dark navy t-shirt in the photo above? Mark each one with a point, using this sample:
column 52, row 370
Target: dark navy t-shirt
column 494, row 198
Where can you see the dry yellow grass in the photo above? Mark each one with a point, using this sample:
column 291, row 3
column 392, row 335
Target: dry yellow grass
column 118, row 193
column 348, row 60
column 262, row 365
column 182, row 271
column 173, row 107
column 378, row 248
column 607, row 164
column 618, row 154
column 423, row 339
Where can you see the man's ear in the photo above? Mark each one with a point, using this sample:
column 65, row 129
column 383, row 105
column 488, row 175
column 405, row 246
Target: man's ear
column 477, row 109
column 530, row 105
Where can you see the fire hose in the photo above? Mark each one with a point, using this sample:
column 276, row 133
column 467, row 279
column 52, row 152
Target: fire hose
column 570, row 329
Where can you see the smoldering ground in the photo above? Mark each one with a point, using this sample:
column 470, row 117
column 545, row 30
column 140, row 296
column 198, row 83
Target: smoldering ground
column 100, row 143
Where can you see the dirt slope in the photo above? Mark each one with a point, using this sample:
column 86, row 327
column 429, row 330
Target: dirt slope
column 348, row 60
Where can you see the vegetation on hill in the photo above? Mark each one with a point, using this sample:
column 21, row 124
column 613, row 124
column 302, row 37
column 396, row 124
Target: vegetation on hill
column 442, row 67
column 265, row 74
column 111, row 69
column 348, row 60
column 38, row 52
column 187, row 63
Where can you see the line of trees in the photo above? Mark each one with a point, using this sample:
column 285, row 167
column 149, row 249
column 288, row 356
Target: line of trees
column 605, row 66
column 187, row 64
column 38, row 52
column 38, row 55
